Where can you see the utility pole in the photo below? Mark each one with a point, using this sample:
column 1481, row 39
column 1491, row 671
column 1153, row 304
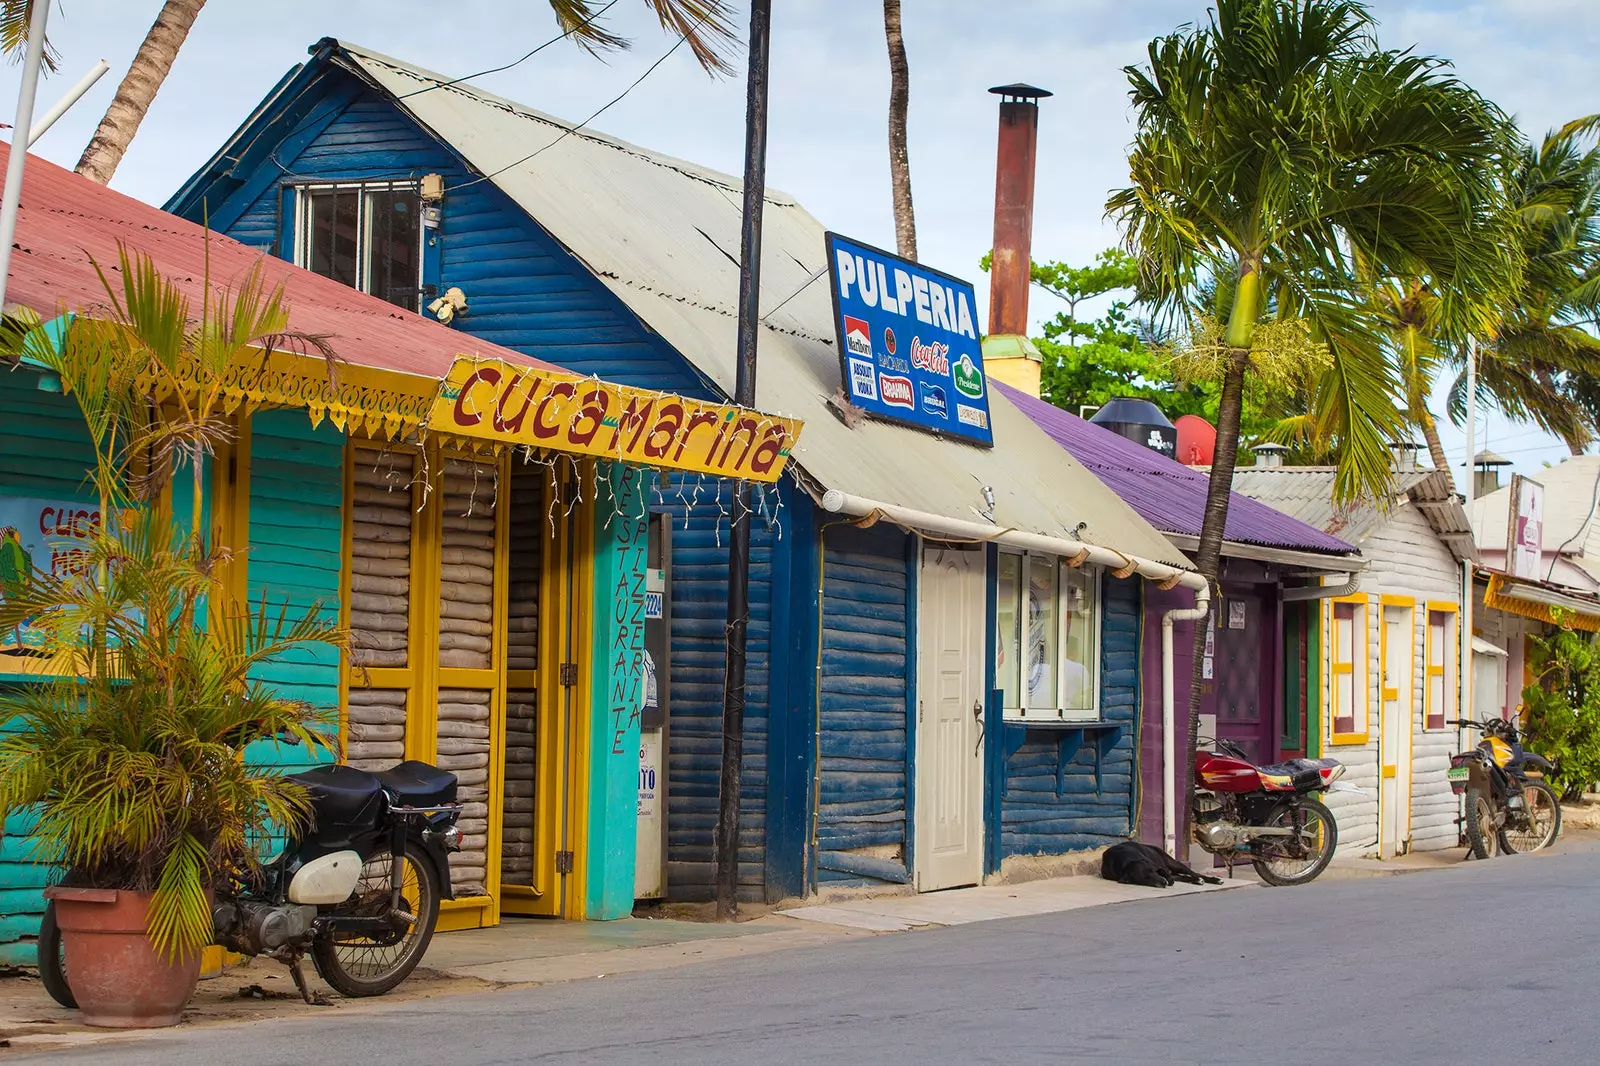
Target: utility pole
column 744, row 394
column 11, row 197
column 1464, row 619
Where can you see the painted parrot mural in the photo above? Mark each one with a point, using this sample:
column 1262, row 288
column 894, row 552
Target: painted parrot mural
column 16, row 567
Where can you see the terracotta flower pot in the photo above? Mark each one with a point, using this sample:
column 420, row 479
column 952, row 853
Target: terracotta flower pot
column 118, row 978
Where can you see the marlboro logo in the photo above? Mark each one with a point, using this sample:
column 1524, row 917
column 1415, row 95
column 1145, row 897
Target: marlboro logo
column 857, row 337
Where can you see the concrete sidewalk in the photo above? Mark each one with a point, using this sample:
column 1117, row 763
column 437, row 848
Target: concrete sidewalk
column 962, row 906
column 542, row 951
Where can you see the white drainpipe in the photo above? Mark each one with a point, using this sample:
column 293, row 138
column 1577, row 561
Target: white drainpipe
column 1169, row 714
column 838, row 502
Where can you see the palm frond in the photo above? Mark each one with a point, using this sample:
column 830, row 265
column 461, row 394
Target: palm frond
column 16, row 18
column 706, row 25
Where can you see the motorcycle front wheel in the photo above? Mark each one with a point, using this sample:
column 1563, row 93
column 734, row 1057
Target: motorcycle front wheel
column 1483, row 839
column 362, row 963
column 1539, row 824
column 1296, row 860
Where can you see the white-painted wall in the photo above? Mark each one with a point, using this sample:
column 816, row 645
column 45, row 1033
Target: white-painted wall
column 1406, row 559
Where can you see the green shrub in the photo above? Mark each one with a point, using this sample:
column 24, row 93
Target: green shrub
column 1563, row 708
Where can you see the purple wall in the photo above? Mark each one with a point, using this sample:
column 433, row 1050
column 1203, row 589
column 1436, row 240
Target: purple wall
column 1156, row 604
column 1237, row 573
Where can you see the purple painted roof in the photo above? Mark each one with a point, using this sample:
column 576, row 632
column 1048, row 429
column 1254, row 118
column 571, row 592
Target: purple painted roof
column 1167, row 494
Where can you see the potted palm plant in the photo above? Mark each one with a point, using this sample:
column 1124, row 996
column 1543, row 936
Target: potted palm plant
column 130, row 749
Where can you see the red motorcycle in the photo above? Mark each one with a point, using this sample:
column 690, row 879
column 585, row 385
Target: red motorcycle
column 1271, row 816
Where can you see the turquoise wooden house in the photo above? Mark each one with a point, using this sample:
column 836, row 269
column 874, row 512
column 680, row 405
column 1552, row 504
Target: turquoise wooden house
column 944, row 649
column 495, row 601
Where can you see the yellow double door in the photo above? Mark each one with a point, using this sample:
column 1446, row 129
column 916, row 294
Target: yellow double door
column 466, row 591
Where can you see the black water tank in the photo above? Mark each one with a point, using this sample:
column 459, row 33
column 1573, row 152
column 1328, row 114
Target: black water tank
column 1141, row 422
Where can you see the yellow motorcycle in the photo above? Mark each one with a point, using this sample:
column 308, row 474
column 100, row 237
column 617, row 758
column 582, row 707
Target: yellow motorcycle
column 1508, row 809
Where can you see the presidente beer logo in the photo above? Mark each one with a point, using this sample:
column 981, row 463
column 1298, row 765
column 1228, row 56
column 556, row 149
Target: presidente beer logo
column 968, row 378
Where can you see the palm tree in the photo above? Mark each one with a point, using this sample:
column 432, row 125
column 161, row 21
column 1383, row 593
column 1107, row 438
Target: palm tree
column 1280, row 138
column 905, row 219
column 1542, row 363
column 151, row 64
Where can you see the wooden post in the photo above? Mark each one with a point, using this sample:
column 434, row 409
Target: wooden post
column 755, row 181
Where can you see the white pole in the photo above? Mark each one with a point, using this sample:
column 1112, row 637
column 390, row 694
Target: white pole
column 1464, row 620
column 1169, row 716
column 74, row 94
column 11, row 197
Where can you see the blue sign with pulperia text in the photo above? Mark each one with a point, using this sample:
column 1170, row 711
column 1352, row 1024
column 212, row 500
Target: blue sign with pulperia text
column 908, row 342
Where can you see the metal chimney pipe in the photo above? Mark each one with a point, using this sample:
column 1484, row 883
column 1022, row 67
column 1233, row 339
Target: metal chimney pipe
column 1013, row 208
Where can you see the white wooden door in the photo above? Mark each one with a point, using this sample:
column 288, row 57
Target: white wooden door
column 948, row 849
column 1394, row 737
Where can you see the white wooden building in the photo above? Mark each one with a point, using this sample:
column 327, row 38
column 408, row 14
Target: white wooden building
column 1389, row 653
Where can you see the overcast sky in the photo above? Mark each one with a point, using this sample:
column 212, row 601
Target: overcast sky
column 829, row 91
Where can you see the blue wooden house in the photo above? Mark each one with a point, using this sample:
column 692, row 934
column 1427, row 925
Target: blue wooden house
column 944, row 649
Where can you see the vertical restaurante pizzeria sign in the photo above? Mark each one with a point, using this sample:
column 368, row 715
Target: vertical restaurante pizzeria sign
column 545, row 408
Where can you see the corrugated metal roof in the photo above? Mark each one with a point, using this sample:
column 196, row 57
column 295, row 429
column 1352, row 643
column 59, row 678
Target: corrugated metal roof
column 1170, row 496
column 663, row 234
column 65, row 220
column 1306, row 492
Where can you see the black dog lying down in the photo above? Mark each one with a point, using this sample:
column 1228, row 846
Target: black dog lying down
column 1133, row 863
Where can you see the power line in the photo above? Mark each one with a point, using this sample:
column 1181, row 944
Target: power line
column 573, row 129
column 516, row 62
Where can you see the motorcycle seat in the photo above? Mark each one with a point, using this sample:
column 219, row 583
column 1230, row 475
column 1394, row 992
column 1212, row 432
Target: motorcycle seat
column 418, row 784
column 342, row 795
column 1294, row 766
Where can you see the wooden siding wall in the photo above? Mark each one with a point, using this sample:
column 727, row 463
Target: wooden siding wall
column 699, row 615
column 523, row 289
column 1049, row 808
column 861, row 817
column 44, row 452
column 1407, row 559
column 296, row 525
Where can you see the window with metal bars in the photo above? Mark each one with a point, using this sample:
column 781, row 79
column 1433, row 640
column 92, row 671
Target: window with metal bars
column 366, row 235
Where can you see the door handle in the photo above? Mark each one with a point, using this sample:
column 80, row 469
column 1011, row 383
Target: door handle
column 977, row 716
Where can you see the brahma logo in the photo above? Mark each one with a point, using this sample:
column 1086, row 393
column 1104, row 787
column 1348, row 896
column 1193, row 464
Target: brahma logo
column 933, row 401
column 857, row 337
column 896, row 391
column 968, row 378
column 863, row 380
column 972, row 416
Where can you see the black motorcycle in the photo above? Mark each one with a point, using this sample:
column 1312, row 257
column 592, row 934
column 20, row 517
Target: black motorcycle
column 359, row 891
column 1506, row 810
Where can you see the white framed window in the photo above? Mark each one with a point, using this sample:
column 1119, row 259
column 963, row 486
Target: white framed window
column 1047, row 643
column 367, row 235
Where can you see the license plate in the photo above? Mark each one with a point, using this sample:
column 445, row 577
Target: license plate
column 1458, row 773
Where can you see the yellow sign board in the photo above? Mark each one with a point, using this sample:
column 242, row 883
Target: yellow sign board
column 543, row 408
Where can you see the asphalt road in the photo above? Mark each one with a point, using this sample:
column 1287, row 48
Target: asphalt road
column 1465, row 965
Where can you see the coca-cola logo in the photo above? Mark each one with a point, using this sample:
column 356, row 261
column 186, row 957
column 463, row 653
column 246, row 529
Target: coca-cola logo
column 934, row 358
